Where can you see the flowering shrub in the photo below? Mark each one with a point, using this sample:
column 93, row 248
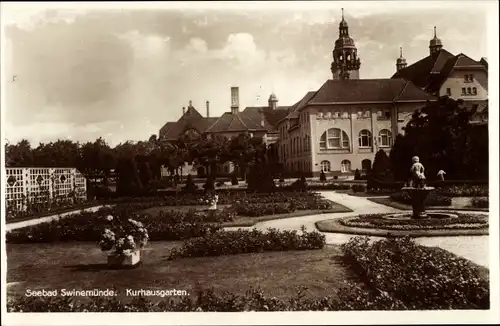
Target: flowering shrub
column 86, row 226
column 243, row 241
column 358, row 188
column 350, row 297
column 480, row 202
column 123, row 235
column 253, row 210
column 420, row 277
column 465, row 191
column 434, row 199
column 377, row 221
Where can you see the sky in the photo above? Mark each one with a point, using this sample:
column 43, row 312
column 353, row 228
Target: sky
column 84, row 71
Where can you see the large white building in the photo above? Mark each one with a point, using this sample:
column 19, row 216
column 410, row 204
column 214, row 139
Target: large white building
column 340, row 127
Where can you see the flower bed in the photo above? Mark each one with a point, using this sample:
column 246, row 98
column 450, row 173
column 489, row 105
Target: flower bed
column 85, row 226
column 420, row 277
column 377, row 221
column 481, row 202
column 243, row 241
column 434, row 199
column 465, row 191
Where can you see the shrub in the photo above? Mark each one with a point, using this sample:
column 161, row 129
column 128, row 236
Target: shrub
column 358, row 188
column 434, row 199
column 243, row 241
column 350, row 297
column 254, row 210
column 322, row 176
column 357, row 175
column 300, row 184
column 420, row 277
column 480, row 202
column 190, row 186
column 209, row 184
column 85, row 226
column 234, row 179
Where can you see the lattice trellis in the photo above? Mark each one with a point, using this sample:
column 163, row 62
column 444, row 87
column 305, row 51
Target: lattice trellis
column 25, row 186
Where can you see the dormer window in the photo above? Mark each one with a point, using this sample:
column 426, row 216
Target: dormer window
column 474, row 90
column 463, row 90
column 320, row 115
column 469, row 91
column 469, row 78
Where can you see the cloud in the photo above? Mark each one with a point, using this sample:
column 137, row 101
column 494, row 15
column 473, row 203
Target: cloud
column 123, row 74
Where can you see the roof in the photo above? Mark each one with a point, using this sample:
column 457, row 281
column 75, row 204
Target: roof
column 369, row 91
column 191, row 119
column 431, row 72
column 271, row 117
column 420, row 71
column 238, row 121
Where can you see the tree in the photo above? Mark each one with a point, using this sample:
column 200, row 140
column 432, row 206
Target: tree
column 19, row 155
column 381, row 175
column 440, row 134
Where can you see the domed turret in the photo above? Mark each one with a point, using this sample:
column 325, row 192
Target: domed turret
column 435, row 44
column 401, row 61
column 273, row 101
column 345, row 63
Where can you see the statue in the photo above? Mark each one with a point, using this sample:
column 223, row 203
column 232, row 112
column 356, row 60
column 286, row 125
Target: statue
column 417, row 173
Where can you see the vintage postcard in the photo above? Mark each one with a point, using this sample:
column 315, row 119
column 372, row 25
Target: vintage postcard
column 249, row 162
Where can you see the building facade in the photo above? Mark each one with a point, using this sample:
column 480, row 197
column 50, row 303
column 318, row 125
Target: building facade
column 339, row 128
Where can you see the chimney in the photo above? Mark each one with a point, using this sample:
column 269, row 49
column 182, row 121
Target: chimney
column 235, row 99
column 183, row 110
column 208, row 109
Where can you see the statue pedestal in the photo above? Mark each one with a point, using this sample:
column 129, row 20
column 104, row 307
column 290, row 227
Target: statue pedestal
column 418, row 196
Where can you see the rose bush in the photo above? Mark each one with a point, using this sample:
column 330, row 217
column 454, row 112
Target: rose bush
column 465, row 191
column 420, row 277
column 350, row 297
column 123, row 235
column 243, row 241
column 86, row 226
column 434, row 199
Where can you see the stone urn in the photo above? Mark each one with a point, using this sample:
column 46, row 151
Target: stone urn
column 131, row 260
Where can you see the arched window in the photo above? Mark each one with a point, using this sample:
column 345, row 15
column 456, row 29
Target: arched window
column 345, row 166
column 365, row 138
column 334, row 138
column 325, row 166
column 385, row 138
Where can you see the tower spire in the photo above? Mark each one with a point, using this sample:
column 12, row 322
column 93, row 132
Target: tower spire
column 342, row 13
column 401, row 61
column 435, row 44
column 435, row 32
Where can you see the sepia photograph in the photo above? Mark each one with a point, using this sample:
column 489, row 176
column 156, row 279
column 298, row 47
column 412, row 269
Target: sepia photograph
column 253, row 158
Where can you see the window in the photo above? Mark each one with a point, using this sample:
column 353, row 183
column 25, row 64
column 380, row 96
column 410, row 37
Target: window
column 385, row 138
column 366, row 166
column 468, row 91
column 379, row 114
column 345, row 115
column 360, row 114
column 325, row 166
column 474, row 90
column 345, row 166
column 320, row 114
column 387, row 114
column 469, row 78
column 448, row 91
column 328, row 115
column 365, row 138
column 367, row 114
column 334, row 138
column 463, row 90
column 336, row 114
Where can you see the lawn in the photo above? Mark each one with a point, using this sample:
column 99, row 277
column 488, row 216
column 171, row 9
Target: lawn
column 81, row 266
column 246, row 221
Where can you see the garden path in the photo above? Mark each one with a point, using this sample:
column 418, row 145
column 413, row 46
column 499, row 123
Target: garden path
column 474, row 248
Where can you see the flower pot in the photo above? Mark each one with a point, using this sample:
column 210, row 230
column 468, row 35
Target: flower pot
column 124, row 261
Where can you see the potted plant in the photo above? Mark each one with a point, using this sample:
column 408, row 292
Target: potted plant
column 123, row 239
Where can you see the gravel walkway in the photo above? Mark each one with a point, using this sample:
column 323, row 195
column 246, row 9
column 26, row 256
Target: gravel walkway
column 474, row 248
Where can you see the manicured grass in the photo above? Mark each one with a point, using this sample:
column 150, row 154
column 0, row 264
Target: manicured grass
column 81, row 266
column 245, row 221
column 391, row 203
